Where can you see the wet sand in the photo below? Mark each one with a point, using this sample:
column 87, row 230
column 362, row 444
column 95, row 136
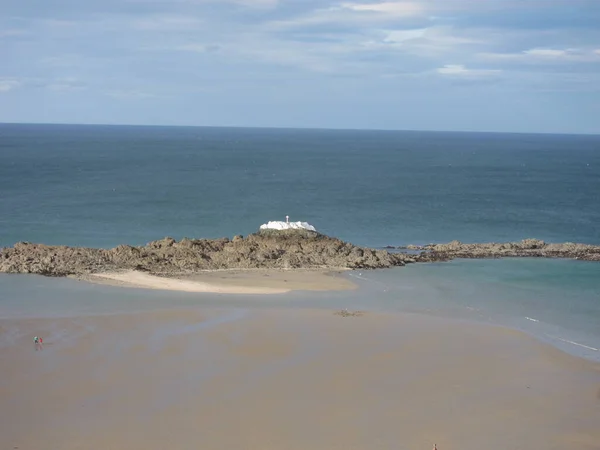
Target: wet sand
column 230, row 281
column 289, row 379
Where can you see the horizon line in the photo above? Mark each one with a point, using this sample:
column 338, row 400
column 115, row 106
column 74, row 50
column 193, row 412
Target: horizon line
column 306, row 128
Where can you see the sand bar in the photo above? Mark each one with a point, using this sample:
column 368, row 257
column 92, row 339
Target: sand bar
column 259, row 281
column 289, row 379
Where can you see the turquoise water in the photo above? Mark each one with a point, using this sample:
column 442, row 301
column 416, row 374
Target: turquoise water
column 556, row 300
column 101, row 186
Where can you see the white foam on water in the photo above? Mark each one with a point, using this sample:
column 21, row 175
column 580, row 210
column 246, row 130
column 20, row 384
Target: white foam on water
column 359, row 276
column 532, row 319
column 575, row 343
column 371, row 280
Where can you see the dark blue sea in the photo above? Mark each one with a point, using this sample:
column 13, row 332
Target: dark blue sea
column 101, row 186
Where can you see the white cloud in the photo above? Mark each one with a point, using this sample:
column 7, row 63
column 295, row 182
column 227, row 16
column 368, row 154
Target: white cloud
column 12, row 32
column 60, row 24
column 341, row 37
column 247, row 3
column 63, row 61
column 546, row 52
column 404, row 9
column 9, row 84
column 68, row 84
column 459, row 70
column 61, row 84
column 314, row 57
column 432, row 37
column 129, row 94
column 536, row 55
column 257, row 3
column 422, row 42
column 198, row 48
column 399, row 36
column 167, row 23
column 354, row 14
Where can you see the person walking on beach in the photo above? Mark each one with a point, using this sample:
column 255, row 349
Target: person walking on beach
column 36, row 342
column 41, row 344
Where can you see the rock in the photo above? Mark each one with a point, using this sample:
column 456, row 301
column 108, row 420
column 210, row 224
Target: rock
column 525, row 248
column 346, row 313
column 290, row 233
column 163, row 243
column 265, row 249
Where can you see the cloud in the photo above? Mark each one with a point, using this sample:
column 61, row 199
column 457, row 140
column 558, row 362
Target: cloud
column 9, row 84
column 459, row 70
column 129, row 94
column 199, row 48
column 546, row 52
column 245, row 3
column 309, row 56
column 399, row 36
column 167, row 23
column 12, row 33
column 143, row 51
column 257, row 3
column 60, row 84
column 430, row 42
column 537, row 55
column 60, row 24
column 68, row 84
column 353, row 15
column 397, row 9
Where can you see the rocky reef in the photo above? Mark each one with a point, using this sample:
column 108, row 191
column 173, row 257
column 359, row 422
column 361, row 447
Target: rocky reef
column 532, row 248
column 266, row 249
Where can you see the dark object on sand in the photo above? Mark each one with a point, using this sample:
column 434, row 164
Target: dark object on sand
column 346, row 313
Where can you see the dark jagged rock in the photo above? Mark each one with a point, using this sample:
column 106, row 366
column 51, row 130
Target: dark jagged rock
column 266, row 249
column 346, row 313
column 532, row 248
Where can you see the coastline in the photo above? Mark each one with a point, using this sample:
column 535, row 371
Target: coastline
column 233, row 281
column 415, row 379
column 266, row 249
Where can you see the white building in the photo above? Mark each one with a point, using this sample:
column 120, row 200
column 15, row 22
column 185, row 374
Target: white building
column 287, row 225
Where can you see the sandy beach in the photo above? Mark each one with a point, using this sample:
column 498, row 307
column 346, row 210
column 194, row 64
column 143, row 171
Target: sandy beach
column 289, row 379
column 230, row 281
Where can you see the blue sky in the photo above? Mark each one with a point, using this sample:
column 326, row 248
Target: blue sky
column 481, row 65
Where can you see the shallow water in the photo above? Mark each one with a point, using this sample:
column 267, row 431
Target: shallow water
column 557, row 301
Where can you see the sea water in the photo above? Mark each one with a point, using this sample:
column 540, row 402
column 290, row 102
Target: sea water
column 101, row 186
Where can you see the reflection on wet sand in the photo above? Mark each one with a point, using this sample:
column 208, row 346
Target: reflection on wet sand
column 217, row 378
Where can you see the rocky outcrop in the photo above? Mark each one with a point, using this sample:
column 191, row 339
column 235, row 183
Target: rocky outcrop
column 533, row 248
column 269, row 249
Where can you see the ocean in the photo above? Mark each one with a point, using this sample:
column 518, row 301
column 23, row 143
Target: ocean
column 101, row 186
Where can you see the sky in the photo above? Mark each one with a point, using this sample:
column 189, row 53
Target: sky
column 456, row 65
